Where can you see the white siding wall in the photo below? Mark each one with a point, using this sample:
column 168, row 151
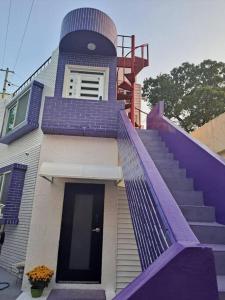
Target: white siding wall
column 128, row 263
column 25, row 150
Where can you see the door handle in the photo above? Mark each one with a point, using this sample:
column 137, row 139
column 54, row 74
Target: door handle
column 97, row 229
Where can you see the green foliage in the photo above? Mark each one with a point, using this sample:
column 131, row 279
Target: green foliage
column 193, row 94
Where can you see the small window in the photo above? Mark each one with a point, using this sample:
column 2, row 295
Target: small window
column 4, row 184
column 16, row 113
column 88, row 82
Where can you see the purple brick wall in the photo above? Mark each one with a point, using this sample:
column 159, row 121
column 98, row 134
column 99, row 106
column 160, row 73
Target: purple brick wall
column 87, row 60
column 81, row 117
column 31, row 122
column 14, row 193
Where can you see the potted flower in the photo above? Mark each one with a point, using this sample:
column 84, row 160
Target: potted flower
column 39, row 278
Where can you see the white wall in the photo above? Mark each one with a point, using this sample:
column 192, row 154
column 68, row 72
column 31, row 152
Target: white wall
column 48, row 203
column 25, row 150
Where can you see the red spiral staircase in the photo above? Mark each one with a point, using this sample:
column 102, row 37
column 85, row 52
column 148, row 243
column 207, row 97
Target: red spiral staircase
column 130, row 61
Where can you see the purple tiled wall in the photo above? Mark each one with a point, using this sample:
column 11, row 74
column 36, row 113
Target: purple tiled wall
column 84, row 25
column 31, row 121
column 14, row 193
column 81, row 117
column 87, row 60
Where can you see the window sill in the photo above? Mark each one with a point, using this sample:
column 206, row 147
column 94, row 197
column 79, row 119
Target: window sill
column 18, row 132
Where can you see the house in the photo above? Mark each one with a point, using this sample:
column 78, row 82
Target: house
column 212, row 134
column 68, row 147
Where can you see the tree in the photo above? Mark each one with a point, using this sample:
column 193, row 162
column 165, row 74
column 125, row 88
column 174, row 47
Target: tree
column 193, row 94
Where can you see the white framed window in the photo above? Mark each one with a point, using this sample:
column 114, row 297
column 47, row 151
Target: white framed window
column 16, row 113
column 4, row 184
column 82, row 82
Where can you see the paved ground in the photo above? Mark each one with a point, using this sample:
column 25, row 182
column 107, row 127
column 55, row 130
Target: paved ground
column 13, row 291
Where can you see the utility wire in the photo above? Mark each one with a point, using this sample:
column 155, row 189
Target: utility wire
column 23, row 36
column 6, row 34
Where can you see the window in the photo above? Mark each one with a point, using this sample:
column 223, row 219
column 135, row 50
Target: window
column 16, row 113
column 86, row 82
column 4, row 184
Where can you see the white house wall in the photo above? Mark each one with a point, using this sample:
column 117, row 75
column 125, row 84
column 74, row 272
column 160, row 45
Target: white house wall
column 25, row 150
column 48, row 202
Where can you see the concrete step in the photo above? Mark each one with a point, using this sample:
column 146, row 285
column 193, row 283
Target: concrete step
column 161, row 155
column 198, row 213
column 172, row 172
column 179, row 184
column 221, row 287
column 147, row 132
column 165, row 163
column 219, row 254
column 188, row 197
column 209, row 232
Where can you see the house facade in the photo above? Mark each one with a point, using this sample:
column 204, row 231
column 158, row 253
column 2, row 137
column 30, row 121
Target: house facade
column 60, row 145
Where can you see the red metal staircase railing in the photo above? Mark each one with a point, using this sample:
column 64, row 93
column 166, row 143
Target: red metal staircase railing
column 131, row 60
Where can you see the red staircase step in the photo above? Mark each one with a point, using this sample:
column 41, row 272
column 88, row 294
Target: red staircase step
column 125, row 86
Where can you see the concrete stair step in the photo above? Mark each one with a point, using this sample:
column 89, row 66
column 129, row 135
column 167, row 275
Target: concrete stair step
column 198, row 213
column 182, row 184
column 221, row 287
column 165, row 163
column 161, row 155
column 172, row 172
column 219, row 254
column 209, row 232
column 188, row 197
column 147, row 132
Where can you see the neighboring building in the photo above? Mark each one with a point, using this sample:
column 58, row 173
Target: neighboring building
column 67, row 147
column 212, row 134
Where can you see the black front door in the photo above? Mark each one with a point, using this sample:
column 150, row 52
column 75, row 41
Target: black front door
column 80, row 245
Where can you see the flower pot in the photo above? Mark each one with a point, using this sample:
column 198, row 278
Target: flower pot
column 36, row 292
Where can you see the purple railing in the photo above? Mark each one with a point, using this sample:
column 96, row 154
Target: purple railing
column 172, row 260
column 205, row 167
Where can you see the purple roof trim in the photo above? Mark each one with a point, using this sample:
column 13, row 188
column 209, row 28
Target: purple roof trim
column 206, row 167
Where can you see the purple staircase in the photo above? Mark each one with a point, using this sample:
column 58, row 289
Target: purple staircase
column 178, row 225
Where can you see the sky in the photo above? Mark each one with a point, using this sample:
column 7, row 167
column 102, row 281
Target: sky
column 176, row 30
